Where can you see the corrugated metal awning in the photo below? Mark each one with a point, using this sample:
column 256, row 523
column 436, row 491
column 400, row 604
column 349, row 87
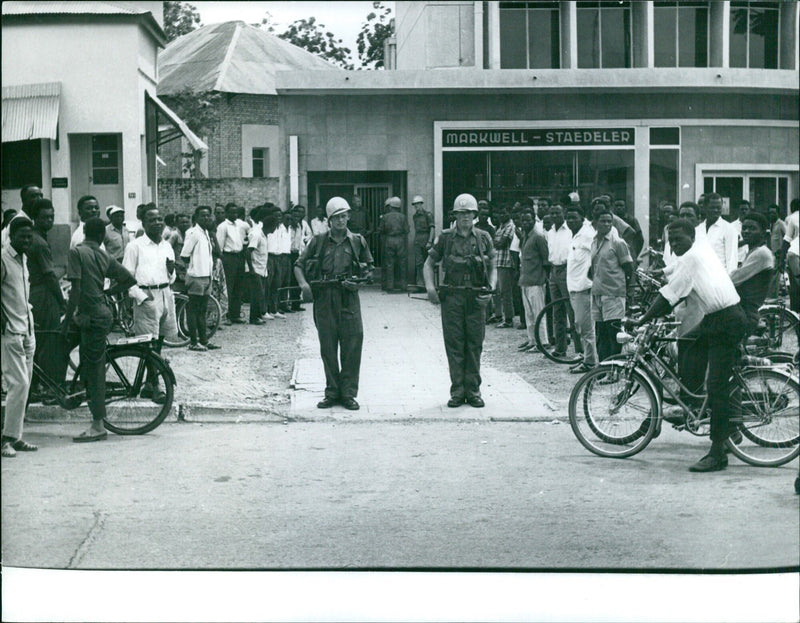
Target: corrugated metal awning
column 178, row 124
column 30, row 111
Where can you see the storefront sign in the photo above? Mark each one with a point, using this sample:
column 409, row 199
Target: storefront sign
column 541, row 137
column 58, row 182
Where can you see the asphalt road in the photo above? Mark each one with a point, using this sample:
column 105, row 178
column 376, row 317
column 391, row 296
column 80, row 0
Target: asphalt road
column 386, row 496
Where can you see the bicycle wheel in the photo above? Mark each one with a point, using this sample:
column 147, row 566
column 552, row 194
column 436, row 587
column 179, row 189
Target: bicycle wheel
column 213, row 317
column 782, row 327
column 125, row 309
column 181, row 339
column 554, row 310
column 613, row 413
column 129, row 371
column 765, row 408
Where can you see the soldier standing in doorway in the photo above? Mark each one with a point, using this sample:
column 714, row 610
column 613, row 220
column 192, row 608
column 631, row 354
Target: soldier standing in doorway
column 467, row 256
column 394, row 232
column 336, row 257
column 423, row 238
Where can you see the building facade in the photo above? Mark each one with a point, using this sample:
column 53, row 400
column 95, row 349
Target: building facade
column 652, row 101
column 80, row 110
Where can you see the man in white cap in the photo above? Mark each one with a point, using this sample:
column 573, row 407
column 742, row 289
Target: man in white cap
column 117, row 236
column 424, row 233
column 467, row 256
column 339, row 255
column 394, row 232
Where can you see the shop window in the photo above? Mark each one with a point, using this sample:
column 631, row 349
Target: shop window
column 680, row 34
column 260, row 162
column 105, row 159
column 663, row 185
column 604, row 35
column 754, row 35
column 761, row 189
column 22, row 164
column 530, row 35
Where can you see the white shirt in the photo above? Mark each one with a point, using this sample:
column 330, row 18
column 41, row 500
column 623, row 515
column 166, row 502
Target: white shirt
column 197, row 247
column 742, row 252
column 301, row 235
column 77, row 237
column 794, row 246
column 579, row 259
column 258, row 242
column 283, row 240
column 558, row 243
column 244, row 229
column 273, row 242
column 147, row 262
column 319, row 226
column 700, row 273
column 699, row 236
column 514, row 246
column 725, row 241
column 230, row 237
column 792, row 226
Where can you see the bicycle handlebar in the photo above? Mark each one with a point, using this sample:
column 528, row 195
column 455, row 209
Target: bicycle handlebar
column 476, row 289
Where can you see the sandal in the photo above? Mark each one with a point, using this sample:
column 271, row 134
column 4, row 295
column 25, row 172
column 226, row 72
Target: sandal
column 8, row 450
column 23, row 446
column 85, row 437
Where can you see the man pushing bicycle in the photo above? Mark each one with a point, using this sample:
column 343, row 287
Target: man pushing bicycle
column 701, row 279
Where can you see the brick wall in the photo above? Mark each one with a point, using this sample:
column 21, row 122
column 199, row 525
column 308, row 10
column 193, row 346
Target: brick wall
column 225, row 142
column 183, row 195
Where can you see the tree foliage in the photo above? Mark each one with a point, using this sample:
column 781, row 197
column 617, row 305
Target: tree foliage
column 374, row 32
column 180, row 18
column 311, row 35
column 201, row 112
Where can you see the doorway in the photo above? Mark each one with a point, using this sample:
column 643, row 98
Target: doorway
column 96, row 168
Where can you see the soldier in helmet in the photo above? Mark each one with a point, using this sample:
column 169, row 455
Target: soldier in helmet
column 394, row 231
column 337, row 254
column 423, row 237
column 467, row 256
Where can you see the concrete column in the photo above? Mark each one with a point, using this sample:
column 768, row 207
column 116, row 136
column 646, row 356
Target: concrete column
column 478, row 33
column 569, row 35
column 643, row 47
column 494, row 34
column 719, row 34
column 641, row 180
column 133, row 172
column 789, row 29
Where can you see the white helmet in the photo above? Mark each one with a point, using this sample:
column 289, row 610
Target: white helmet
column 465, row 203
column 417, row 199
column 336, row 205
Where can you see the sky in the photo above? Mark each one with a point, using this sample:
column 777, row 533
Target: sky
column 343, row 19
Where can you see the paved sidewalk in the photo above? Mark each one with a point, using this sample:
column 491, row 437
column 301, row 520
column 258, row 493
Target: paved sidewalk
column 404, row 372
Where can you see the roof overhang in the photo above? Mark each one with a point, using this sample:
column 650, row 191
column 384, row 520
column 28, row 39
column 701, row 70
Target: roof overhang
column 496, row 81
column 30, row 111
column 174, row 127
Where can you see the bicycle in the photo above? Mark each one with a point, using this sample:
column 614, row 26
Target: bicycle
column 615, row 410
column 213, row 317
column 133, row 368
column 781, row 326
column 554, row 309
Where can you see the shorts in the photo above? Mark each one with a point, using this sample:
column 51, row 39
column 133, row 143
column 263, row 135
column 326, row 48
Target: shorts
column 198, row 286
column 156, row 315
column 605, row 308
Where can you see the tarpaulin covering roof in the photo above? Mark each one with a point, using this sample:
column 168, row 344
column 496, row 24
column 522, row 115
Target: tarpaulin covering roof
column 232, row 57
column 30, row 111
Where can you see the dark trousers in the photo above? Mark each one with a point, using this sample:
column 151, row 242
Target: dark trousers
column 505, row 287
column 558, row 289
column 715, row 348
column 196, row 310
column 794, row 293
column 420, row 256
column 47, row 320
column 606, row 335
column 519, row 310
column 274, row 272
column 295, row 293
column 286, row 274
column 258, row 289
column 463, row 329
column 233, row 264
column 394, row 262
column 337, row 316
column 92, row 340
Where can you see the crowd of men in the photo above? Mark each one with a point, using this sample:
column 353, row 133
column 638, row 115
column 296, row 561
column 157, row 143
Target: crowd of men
column 527, row 253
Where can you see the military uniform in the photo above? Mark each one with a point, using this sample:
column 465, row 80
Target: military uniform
column 394, row 229
column 466, row 261
column 337, row 311
column 423, row 223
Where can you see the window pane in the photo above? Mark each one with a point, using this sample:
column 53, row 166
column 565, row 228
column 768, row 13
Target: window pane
column 665, row 136
column 588, row 38
column 543, row 39
column 513, row 41
column 783, row 193
column 738, row 38
column 258, row 168
column 258, row 153
column 664, row 36
column 663, row 188
column 708, row 185
column 463, row 172
column 615, row 38
column 104, row 159
column 731, row 189
column 104, row 142
column 605, row 171
column 518, row 174
column 763, row 38
column 693, row 37
column 763, row 192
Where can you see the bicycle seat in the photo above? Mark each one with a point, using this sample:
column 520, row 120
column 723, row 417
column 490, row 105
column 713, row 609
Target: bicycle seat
column 772, row 301
column 136, row 339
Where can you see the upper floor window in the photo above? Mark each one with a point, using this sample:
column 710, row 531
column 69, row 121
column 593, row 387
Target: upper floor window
column 680, row 34
column 530, row 35
column 604, row 34
column 260, row 162
column 754, row 34
column 22, row 164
